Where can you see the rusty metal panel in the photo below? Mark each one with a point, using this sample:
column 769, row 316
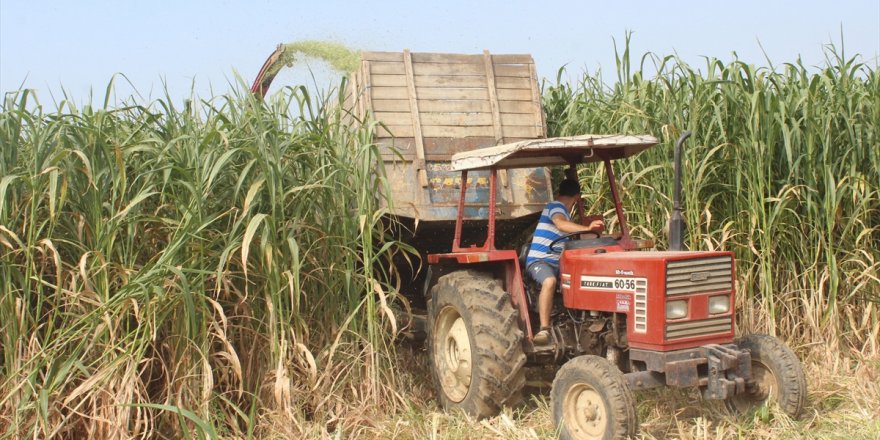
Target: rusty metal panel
column 527, row 194
column 683, row 373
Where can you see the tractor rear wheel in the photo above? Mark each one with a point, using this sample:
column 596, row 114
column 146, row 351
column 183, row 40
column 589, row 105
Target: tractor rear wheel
column 591, row 400
column 475, row 344
column 778, row 377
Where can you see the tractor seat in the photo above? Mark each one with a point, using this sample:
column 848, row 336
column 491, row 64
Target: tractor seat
column 523, row 254
column 532, row 289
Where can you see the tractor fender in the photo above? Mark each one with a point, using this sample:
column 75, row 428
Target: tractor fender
column 503, row 265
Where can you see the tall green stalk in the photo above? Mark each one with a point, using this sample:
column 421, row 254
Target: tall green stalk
column 163, row 266
column 782, row 170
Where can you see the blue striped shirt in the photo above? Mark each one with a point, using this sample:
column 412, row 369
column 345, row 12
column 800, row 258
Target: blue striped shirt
column 545, row 233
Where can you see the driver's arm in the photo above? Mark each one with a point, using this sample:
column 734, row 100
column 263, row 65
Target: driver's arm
column 569, row 226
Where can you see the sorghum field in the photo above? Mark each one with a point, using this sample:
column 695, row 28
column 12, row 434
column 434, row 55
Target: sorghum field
column 220, row 268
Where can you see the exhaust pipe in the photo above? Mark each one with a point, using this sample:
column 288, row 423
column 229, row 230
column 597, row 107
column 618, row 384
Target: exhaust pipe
column 677, row 226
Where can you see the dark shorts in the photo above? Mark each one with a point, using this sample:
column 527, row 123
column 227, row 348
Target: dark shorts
column 540, row 271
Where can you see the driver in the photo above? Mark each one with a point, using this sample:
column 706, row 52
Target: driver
column 542, row 263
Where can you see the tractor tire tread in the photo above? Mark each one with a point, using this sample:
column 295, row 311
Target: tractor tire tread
column 497, row 341
column 614, row 386
column 777, row 356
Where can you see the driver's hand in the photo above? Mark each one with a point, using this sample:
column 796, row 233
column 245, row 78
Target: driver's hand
column 597, row 225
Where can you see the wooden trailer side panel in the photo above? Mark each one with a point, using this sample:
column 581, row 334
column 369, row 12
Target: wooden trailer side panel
column 454, row 96
column 432, row 106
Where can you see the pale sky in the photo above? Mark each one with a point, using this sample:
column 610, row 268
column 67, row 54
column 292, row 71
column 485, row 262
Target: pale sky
column 201, row 44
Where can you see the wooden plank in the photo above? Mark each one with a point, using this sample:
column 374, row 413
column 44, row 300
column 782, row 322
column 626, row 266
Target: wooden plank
column 394, row 118
column 496, row 114
column 445, row 93
column 391, row 93
column 399, row 131
column 353, row 94
column 443, row 131
column 527, row 107
column 493, row 98
column 382, row 80
column 442, row 149
column 452, row 106
column 463, row 81
column 524, row 119
column 446, row 58
column 427, row 93
column 455, row 106
column 463, row 119
column 512, row 59
column 511, row 70
column 426, row 119
column 454, row 131
column 519, row 131
column 390, row 105
column 416, row 124
column 386, row 68
column 449, row 106
column 396, row 68
column 351, row 101
column 448, row 69
column 382, row 56
column 512, row 82
column 368, row 89
column 453, row 93
column 436, row 149
column 515, row 94
column 536, row 98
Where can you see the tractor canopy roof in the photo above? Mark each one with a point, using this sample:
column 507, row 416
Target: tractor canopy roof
column 553, row 151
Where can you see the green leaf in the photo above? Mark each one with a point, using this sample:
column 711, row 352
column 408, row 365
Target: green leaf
column 248, row 237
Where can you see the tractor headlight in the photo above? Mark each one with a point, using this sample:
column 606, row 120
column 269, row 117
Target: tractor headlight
column 676, row 309
column 719, row 304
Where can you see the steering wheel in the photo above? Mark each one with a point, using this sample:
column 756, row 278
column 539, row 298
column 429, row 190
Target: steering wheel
column 569, row 235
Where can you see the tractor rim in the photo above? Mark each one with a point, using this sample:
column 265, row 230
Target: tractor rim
column 765, row 381
column 584, row 412
column 763, row 390
column 453, row 354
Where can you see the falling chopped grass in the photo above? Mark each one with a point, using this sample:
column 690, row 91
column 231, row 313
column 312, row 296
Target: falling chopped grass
column 340, row 57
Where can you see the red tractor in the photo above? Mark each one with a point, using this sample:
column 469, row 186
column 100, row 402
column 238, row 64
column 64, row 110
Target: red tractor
column 626, row 318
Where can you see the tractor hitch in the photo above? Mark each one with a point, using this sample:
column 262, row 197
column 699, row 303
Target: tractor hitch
column 721, row 371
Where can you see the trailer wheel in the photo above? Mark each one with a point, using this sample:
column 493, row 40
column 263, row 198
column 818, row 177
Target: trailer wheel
column 475, row 344
column 778, row 377
column 591, row 399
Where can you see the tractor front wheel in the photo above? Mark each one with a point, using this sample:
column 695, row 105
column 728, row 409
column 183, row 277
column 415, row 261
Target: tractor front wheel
column 591, row 400
column 778, row 377
column 475, row 344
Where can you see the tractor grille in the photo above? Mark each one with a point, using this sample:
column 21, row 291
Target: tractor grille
column 641, row 307
column 699, row 275
column 692, row 329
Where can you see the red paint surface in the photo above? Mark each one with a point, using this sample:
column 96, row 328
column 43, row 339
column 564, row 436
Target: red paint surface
column 651, row 266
